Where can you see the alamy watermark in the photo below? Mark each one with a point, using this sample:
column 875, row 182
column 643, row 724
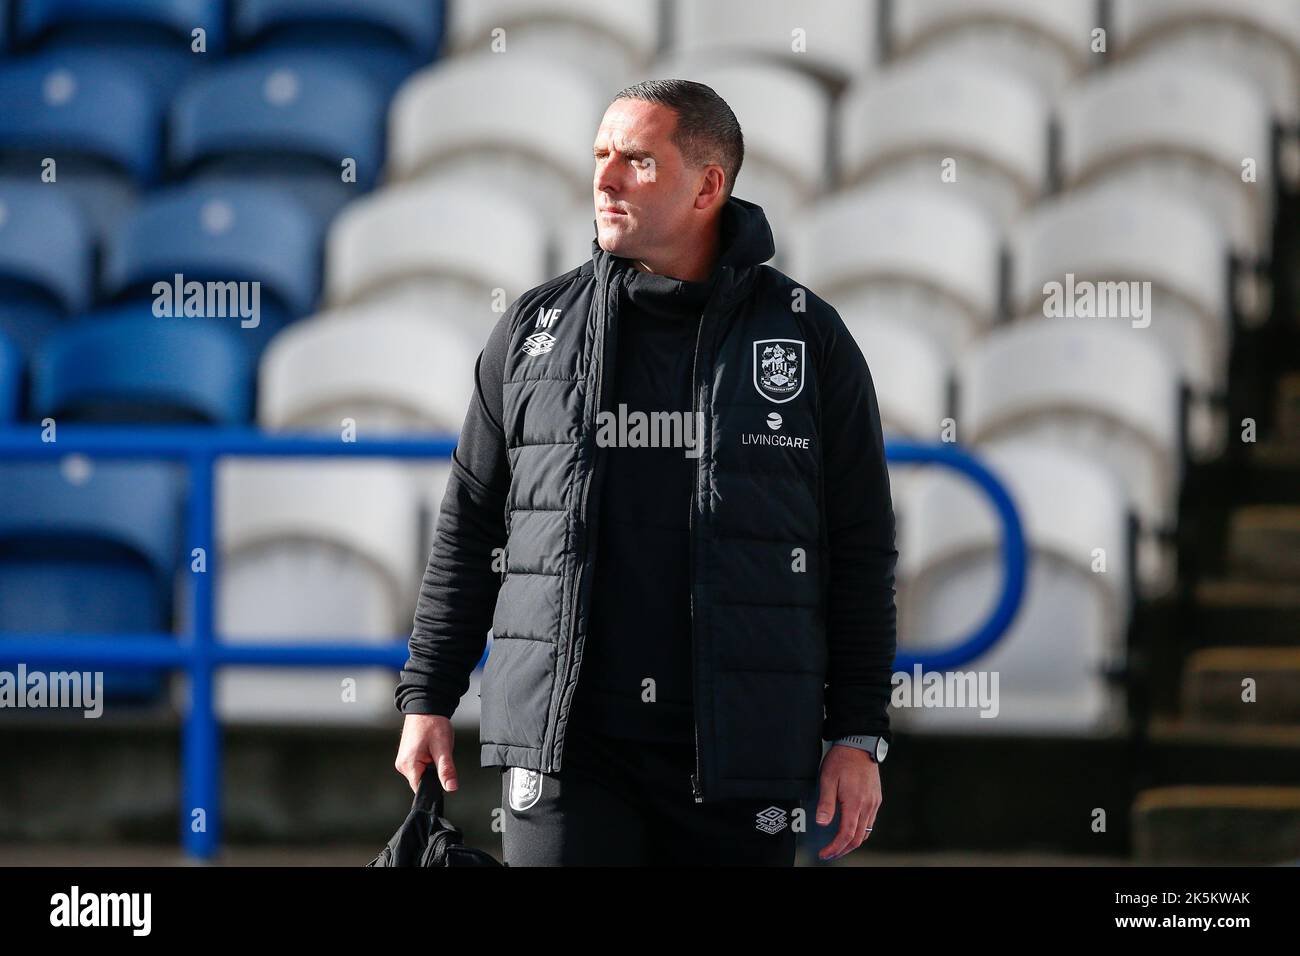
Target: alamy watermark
column 25, row 689
column 219, row 300
column 625, row 429
column 955, row 689
column 133, row 911
column 1086, row 299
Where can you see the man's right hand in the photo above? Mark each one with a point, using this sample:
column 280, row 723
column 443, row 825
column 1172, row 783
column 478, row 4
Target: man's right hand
column 426, row 739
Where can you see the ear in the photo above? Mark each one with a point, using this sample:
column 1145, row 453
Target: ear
column 712, row 191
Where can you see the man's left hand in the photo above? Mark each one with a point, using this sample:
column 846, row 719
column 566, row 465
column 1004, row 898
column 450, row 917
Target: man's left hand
column 851, row 779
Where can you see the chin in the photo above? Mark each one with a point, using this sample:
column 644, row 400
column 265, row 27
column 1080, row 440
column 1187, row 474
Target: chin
column 612, row 242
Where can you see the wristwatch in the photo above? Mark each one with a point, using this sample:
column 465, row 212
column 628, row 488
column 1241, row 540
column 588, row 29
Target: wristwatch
column 876, row 747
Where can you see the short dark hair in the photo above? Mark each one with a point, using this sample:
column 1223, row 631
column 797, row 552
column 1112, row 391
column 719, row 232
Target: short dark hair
column 707, row 130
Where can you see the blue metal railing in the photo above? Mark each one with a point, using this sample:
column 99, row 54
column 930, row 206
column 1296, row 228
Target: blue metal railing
column 1012, row 548
column 198, row 653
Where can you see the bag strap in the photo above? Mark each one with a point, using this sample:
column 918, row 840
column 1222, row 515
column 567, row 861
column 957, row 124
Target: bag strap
column 428, row 796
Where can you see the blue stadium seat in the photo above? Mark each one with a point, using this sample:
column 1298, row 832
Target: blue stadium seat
column 82, row 104
column 97, row 120
column 126, row 365
column 45, row 261
column 282, row 119
column 222, row 233
column 90, row 548
column 27, row 317
column 150, row 37
column 11, row 371
column 387, row 39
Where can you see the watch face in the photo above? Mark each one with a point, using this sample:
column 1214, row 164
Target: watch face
column 882, row 748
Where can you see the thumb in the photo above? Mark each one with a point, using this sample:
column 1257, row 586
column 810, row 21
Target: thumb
column 826, row 802
column 447, row 771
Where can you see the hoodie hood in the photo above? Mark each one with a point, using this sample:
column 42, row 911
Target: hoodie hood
column 746, row 238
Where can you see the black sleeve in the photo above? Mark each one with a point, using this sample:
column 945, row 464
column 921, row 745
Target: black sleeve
column 458, row 594
column 861, row 615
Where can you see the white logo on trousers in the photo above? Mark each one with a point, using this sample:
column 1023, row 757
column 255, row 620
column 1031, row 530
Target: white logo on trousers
column 525, row 788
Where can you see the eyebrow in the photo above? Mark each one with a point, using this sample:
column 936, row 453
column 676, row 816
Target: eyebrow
column 630, row 149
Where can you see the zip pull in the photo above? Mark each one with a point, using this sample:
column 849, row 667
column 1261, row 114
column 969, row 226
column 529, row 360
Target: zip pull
column 695, row 788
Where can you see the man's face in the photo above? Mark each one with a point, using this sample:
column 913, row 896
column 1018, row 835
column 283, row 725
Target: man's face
column 644, row 194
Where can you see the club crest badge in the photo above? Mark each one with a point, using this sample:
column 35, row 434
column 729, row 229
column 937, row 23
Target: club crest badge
column 778, row 368
column 525, row 788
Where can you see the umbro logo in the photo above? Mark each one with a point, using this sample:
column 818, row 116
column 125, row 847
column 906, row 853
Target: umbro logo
column 771, row 820
column 539, row 343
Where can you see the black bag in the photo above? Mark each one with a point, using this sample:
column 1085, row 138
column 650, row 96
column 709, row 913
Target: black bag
column 427, row 838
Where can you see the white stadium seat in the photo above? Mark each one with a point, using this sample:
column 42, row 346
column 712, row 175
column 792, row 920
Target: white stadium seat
column 314, row 550
column 900, row 126
column 921, row 256
column 834, row 40
column 393, row 371
column 1259, row 39
column 1048, row 42
column 910, row 374
column 785, row 116
column 518, row 124
column 1184, row 125
column 1072, row 623
column 1119, row 233
column 448, row 250
column 1099, row 387
column 614, row 41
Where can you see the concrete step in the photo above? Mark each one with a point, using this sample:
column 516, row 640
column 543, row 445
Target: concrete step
column 282, row 784
column 329, row 788
column 1174, row 751
column 1242, row 685
column 1220, row 613
column 1217, row 824
column 1240, row 612
column 1288, row 409
column 1264, row 543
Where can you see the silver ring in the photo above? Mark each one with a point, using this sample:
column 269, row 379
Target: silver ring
column 868, row 830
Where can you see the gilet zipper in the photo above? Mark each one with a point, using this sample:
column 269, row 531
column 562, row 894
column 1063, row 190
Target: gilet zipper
column 697, row 784
column 587, row 543
column 696, row 787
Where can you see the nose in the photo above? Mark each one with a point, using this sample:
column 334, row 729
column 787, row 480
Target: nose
column 606, row 180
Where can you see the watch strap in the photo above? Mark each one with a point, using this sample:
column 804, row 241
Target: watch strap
column 861, row 742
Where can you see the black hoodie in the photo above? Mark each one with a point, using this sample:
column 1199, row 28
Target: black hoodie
column 636, row 679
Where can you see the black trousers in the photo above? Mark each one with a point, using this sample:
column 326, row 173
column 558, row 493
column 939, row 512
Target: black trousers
column 629, row 803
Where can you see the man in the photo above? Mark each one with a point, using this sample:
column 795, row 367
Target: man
column 675, row 629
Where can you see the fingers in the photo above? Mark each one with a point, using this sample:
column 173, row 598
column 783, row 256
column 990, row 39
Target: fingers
column 425, row 741
column 411, row 769
column 410, row 766
column 849, row 835
column 868, row 821
column 854, row 835
column 830, row 796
